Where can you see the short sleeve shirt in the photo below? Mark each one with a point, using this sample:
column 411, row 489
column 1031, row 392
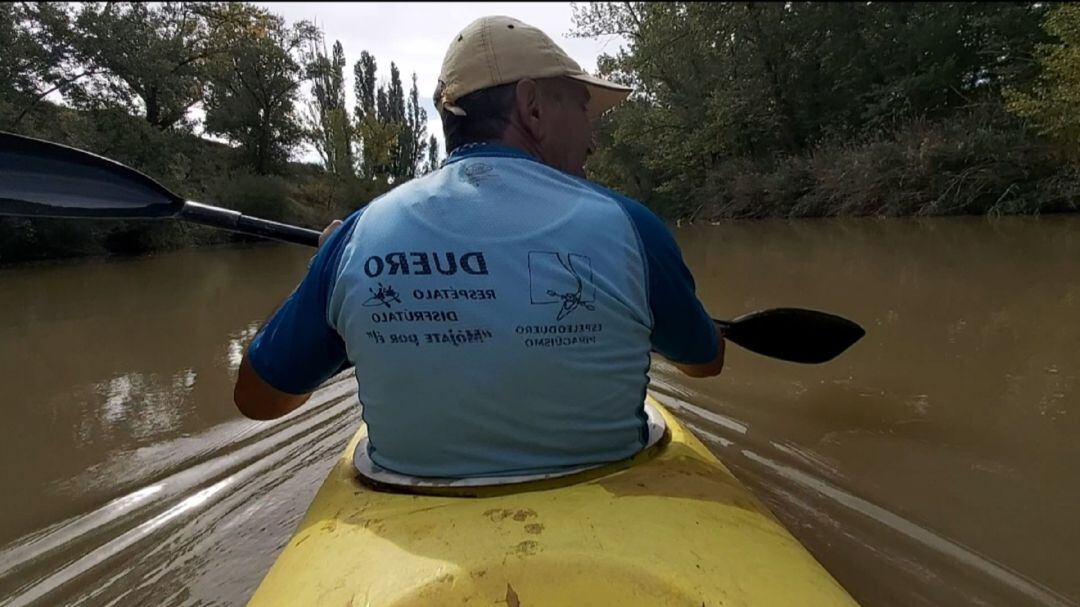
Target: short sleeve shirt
column 500, row 315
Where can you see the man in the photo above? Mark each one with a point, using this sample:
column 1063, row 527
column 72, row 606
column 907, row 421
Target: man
column 501, row 310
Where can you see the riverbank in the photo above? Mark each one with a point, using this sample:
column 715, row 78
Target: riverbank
column 973, row 164
column 970, row 165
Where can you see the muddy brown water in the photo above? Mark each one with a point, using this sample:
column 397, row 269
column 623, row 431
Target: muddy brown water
column 935, row 463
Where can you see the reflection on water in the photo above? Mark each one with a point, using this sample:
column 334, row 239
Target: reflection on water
column 932, row 464
column 957, row 411
column 102, row 359
column 237, row 343
column 147, row 404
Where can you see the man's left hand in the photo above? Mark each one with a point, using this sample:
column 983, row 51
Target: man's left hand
column 328, row 230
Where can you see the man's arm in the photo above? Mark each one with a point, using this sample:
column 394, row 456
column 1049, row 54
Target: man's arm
column 711, row 368
column 296, row 350
column 257, row 399
column 682, row 331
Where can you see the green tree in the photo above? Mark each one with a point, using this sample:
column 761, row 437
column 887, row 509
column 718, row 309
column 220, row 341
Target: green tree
column 152, row 60
column 364, row 85
column 37, row 56
column 376, row 126
column 412, row 137
column 1053, row 103
column 432, row 155
column 378, row 140
column 765, row 81
column 253, row 93
column 395, row 97
column 328, row 126
column 382, row 105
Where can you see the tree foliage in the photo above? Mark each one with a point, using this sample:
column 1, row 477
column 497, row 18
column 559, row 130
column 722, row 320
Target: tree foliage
column 253, row 92
column 152, row 60
column 741, row 109
column 328, row 127
column 365, row 85
column 391, row 130
column 37, row 56
column 432, row 155
column 761, row 82
column 412, row 137
column 134, row 81
column 1053, row 102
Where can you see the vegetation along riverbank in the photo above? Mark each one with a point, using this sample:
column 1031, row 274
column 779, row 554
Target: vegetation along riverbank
column 741, row 110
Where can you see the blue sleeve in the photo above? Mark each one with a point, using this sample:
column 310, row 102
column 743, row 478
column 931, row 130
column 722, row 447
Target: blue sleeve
column 297, row 350
column 682, row 330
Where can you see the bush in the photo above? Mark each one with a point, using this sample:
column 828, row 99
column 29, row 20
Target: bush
column 265, row 196
column 27, row 239
column 972, row 164
column 325, row 197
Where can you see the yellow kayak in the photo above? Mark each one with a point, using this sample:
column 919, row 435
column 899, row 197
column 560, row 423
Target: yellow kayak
column 671, row 526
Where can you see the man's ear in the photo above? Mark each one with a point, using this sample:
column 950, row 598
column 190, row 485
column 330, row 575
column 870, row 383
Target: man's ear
column 528, row 106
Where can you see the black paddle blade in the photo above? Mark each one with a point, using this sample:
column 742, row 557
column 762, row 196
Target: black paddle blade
column 794, row 334
column 50, row 180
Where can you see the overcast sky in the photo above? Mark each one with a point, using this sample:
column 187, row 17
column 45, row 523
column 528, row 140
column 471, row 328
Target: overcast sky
column 415, row 35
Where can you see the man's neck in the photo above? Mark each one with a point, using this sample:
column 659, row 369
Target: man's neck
column 515, row 137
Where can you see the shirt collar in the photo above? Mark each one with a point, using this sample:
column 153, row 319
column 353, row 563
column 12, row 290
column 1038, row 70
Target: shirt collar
column 488, row 150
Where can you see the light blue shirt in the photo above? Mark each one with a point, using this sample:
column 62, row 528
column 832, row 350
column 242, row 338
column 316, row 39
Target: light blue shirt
column 500, row 316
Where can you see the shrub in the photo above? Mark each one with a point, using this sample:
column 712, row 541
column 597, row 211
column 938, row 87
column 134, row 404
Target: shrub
column 973, row 164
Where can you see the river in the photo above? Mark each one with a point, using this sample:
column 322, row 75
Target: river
column 935, row 463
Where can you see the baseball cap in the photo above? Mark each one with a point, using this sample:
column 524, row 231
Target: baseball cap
column 498, row 50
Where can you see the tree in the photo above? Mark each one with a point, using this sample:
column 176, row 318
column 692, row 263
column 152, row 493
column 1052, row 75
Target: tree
column 376, row 135
column 378, row 140
column 328, row 126
column 432, row 155
column 254, row 91
column 364, row 83
column 765, row 81
column 149, row 60
column 390, row 131
column 1053, row 102
column 395, row 97
column 412, row 137
column 37, row 57
column 382, row 105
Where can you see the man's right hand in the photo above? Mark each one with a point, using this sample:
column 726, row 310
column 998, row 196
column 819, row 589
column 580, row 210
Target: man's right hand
column 328, row 230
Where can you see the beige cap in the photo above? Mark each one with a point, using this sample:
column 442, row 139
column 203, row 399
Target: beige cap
column 499, row 50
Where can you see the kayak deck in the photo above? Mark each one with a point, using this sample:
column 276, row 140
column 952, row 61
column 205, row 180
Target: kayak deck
column 674, row 528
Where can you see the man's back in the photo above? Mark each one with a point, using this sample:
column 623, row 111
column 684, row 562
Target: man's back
column 496, row 313
column 500, row 312
column 500, row 315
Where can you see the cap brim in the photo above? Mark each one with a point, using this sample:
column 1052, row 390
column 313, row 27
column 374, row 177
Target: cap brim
column 603, row 94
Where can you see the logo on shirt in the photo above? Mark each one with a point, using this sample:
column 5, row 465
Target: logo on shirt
column 382, row 297
column 567, row 281
column 419, row 263
column 475, row 173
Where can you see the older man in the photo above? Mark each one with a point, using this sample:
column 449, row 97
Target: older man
column 500, row 311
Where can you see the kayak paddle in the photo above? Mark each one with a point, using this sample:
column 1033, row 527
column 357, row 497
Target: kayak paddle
column 43, row 179
column 792, row 334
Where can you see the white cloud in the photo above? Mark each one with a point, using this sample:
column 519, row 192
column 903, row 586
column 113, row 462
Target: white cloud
column 414, row 35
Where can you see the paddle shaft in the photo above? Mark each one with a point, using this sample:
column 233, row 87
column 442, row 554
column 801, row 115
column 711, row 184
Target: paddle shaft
column 227, row 219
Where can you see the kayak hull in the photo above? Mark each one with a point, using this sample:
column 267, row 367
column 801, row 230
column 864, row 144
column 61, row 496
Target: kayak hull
column 670, row 527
